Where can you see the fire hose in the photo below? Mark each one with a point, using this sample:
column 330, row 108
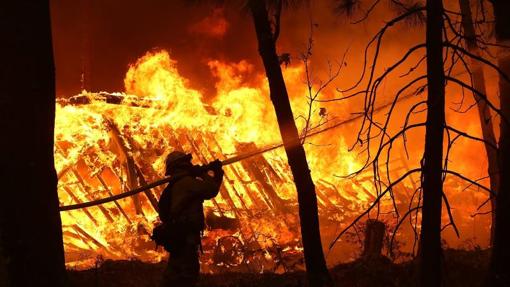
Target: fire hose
column 228, row 161
column 157, row 183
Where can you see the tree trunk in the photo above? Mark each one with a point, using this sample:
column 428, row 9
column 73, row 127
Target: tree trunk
column 3, row 266
column 374, row 239
column 31, row 231
column 432, row 184
column 308, row 212
column 483, row 109
column 499, row 269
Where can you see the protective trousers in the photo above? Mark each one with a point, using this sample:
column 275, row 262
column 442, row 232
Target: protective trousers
column 183, row 267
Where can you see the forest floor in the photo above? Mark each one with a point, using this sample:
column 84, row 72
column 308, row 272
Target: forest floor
column 461, row 268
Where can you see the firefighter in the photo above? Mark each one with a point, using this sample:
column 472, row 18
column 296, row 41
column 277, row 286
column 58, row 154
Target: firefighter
column 182, row 215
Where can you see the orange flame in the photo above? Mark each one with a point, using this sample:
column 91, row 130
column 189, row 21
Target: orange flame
column 104, row 148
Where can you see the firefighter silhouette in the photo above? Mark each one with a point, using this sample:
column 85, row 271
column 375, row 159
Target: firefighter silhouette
column 182, row 215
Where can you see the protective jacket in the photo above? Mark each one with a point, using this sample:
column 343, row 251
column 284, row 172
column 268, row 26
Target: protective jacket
column 182, row 200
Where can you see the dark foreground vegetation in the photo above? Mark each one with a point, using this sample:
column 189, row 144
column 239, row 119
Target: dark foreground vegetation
column 461, row 268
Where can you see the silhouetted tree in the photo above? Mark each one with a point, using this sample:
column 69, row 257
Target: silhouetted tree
column 308, row 212
column 443, row 54
column 478, row 83
column 432, row 161
column 432, row 164
column 31, row 231
column 499, row 269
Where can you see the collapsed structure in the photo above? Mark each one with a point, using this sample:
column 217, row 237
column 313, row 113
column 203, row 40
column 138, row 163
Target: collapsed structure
column 252, row 224
column 108, row 143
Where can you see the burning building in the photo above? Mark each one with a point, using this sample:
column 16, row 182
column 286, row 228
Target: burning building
column 109, row 143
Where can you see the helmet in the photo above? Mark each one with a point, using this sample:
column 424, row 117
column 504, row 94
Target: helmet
column 175, row 159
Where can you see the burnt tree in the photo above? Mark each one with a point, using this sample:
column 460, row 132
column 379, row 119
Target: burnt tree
column 432, row 183
column 308, row 212
column 31, row 234
column 442, row 55
column 478, row 83
column 374, row 237
column 499, row 268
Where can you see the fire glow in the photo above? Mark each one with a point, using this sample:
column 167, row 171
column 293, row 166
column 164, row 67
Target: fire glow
column 109, row 143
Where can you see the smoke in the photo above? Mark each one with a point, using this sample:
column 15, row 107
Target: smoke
column 94, row 42
column 105, row 37
column 213, row 26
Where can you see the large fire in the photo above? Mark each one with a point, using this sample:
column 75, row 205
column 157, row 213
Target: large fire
column 108, row 143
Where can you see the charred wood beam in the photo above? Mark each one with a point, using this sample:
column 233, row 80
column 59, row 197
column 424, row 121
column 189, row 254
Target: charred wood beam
column 272, row 174
column 279, row 208
column 132, row 182
column 85, row 189
column 263, row 164
column 266, row 188
column 254, row 198
column 127, row 162
column 91, row 238
column 70, row 234
column 174, row 142
column 152, row 200
column 86, row 238
column 83, row 233
column 77, row 200
column 115, row 99
column 222, row 222
column 141, row 178
column 334, row 190
column 362, row 188
column 218, row 207
column 285, row 171
column 332, row 194
column 76, row 235
column 320, row 203
column 252, row 165
column 103, row 183
column 265, row 197
column 230, row 186
column 62, row 172
column 324, row 198
column 65, row 187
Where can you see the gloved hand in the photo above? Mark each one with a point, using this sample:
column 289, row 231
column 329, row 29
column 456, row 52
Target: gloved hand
column 216, row 165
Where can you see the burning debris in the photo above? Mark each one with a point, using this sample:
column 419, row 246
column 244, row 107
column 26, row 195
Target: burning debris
column 241, row 228
column 107, row 144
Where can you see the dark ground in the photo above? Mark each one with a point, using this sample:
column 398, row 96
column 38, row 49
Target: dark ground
column 462, row 268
